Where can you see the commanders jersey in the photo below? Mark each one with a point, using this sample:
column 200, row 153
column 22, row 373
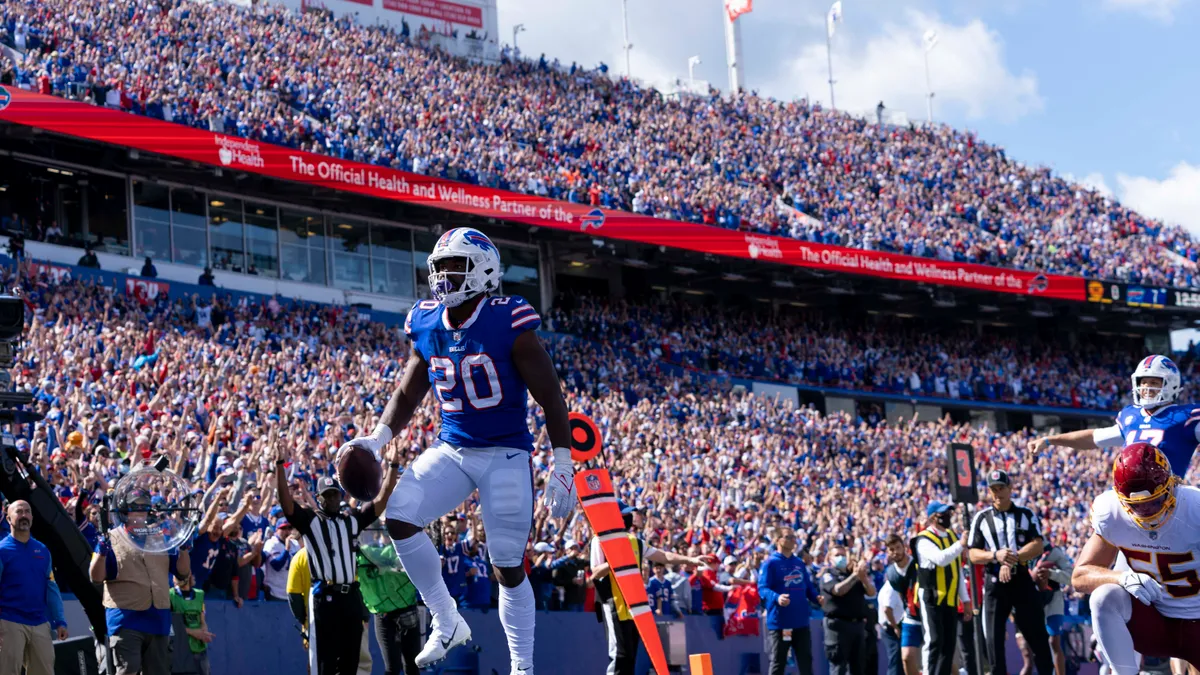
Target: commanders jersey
column 1168, row 554
column 481, row 394
column 1172, row 429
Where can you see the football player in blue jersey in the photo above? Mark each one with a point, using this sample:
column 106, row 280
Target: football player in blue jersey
column 480, row 355
column 1153, row 418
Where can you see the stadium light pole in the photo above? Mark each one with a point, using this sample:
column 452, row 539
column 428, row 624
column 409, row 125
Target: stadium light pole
column 519, row 28
column 930, row 39
column 625, row 27
column 693, row 61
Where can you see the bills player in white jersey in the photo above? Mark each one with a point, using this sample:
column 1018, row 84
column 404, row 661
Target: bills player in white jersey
column 1154, row 607
column 480, row 355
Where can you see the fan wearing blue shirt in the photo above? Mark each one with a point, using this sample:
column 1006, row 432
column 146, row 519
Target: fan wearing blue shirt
column 661, row 594
column 788, row 593
column 30, row 604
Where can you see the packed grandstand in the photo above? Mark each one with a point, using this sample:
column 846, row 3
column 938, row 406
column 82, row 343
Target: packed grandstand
column 219, row 384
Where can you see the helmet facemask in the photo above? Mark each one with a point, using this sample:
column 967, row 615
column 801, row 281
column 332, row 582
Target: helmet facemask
column 453, row 284
column 1148, row 391
column 1150, row 509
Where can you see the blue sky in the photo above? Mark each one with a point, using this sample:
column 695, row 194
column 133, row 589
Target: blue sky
column 1102, row 90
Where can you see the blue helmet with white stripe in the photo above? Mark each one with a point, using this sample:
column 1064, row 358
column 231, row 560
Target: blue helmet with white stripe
column 1148, row 395
column 481, row 273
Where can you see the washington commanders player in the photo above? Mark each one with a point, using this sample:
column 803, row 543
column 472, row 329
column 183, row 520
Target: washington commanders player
column 1154, row 607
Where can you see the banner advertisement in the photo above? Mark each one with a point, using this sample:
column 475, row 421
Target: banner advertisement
column 440, row 10
column 103, row 125
column 146, row 290
column 57, row 273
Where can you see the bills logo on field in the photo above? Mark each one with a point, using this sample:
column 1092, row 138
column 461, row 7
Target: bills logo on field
column 5, row 98
column 593, row 483
column 593, row 219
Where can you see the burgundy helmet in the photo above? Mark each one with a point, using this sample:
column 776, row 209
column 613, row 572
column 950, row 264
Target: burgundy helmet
column 1144, row 483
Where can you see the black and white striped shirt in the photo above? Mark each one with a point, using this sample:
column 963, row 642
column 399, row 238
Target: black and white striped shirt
column 331, row 541
column 992, row 530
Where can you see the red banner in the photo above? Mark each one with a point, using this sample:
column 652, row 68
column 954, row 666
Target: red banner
column 110, row 126
column 439, row 9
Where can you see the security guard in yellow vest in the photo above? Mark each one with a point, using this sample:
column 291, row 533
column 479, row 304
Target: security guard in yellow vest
column 938, row 553
column 622, row 633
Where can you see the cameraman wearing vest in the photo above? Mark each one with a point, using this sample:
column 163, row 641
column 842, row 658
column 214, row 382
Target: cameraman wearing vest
column 940, row 588
column 137, row 587
column 622, row 633
column 392, row 599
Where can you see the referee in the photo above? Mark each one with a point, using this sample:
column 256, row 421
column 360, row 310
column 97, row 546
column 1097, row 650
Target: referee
column 1006, row 538
column 330, row 540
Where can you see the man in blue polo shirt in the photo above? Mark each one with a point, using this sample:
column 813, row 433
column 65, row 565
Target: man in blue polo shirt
column 137, row 596
column 788, row 593
column 30, row 604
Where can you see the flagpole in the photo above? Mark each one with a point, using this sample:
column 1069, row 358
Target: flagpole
column 829, row 61
column 928, row 86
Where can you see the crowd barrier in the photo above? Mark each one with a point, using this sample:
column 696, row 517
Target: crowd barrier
column 262, row 637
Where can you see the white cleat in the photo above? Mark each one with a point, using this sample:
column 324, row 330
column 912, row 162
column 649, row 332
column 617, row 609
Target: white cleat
column 442, row 640
column 522, row 670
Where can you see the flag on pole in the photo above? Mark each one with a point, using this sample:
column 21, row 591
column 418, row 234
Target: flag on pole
column 834, row 17
column 736, row 8
column 930, row 39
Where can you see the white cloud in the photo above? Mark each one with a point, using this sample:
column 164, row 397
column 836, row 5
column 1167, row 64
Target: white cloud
column 1174, row 199
column 967, row 71
column 1163, row 10
column 1094, row 180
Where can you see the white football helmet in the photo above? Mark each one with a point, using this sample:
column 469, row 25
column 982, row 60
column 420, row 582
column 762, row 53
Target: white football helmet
column 1161, row 367
column 482, row 273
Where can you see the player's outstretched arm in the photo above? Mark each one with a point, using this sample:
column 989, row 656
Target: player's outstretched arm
column 389, row 481
column 1092, row 569
column 1083, row 439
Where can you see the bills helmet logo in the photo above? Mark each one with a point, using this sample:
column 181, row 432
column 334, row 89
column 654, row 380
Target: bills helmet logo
column 5, row 98
column 593, row 219
column 1039, row 284
column 480, row 240
column 593, row 483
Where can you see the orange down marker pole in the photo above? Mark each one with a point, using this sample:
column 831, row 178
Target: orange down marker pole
column 595, row 490
column 701, row 664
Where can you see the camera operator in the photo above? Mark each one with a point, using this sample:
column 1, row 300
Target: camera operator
column 847, row 614
column 137, row 589
column 1005, row 538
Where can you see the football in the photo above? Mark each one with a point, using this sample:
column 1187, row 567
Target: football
column 360, row 474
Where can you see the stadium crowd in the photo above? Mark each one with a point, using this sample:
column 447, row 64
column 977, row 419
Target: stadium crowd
column 887, row 355
column 217, row 387
column 372, row 94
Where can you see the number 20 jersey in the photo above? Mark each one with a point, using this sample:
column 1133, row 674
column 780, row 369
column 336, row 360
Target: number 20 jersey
column 1168, row 554
column 1172, row 429
column 480, row 392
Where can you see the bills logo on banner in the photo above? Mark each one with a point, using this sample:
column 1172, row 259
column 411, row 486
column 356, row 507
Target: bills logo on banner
column 5, row 98
column 57, row 273
column 145, row 290
column 593, row 219
column 102, row 125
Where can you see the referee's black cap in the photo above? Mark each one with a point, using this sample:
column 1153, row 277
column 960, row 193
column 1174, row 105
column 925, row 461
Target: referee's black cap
column 998, row 477
column 326, row 484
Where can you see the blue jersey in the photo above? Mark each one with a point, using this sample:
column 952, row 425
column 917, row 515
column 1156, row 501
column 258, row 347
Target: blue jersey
column 454, row 570
column 479, row 587
column 472, row 372
column 1172, row 429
